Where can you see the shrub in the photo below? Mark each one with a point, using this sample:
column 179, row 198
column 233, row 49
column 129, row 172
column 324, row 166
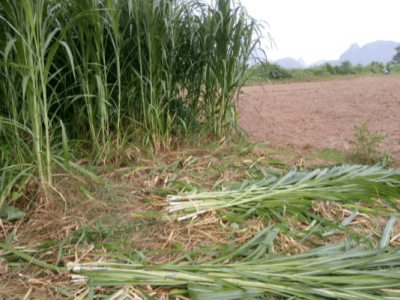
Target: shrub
column 330, row 68
column 345, row 68
column 365, row 145
column 268, row 71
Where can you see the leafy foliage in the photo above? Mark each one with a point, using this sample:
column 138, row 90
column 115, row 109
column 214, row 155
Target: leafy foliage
column 268, row 71
column 11, row 213
column 365, row 144
column 396, row 57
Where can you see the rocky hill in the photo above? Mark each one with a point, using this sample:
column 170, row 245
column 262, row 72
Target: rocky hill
column 379, row 51
column 291, row 63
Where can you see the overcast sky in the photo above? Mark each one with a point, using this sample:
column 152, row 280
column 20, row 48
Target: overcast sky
column 323, row 29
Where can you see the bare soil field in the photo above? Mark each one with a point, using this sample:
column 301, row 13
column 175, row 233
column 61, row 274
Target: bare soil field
column 322, row 115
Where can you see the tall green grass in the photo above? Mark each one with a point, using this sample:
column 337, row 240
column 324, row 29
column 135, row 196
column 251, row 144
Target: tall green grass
column 89, row 76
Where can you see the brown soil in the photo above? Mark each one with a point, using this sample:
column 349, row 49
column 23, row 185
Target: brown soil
column 322, row 115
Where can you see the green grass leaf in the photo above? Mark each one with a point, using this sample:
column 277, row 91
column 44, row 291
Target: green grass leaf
column 387, row 232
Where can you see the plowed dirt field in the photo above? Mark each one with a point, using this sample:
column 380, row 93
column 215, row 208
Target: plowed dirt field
column 322, row 115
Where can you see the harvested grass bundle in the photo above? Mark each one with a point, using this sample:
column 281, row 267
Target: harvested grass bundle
column 296, row 191
column 326, row 272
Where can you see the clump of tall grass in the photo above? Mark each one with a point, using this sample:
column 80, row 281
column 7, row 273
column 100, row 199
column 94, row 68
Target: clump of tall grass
column 89, row 76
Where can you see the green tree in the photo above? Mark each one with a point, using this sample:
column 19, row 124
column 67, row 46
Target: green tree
column 396, row 57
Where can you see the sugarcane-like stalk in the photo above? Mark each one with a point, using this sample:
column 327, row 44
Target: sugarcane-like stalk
column 343, row 184
column 326, row 272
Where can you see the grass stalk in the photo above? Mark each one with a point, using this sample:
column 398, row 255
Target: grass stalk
column 297, row 190
column 105, row 69
column 326, row 272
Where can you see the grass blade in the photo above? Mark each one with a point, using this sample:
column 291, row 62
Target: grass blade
column 387, row 232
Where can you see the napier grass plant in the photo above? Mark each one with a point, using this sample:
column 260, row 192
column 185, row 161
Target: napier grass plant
column 83, row 78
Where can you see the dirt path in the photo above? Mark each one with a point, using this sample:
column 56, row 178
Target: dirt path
column 322, row 114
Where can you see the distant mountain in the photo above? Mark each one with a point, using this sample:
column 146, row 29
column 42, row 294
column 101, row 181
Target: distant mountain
column 351, row 54
column 379, row 51
column 291, row 63
column 257, row 56
column 317, row 63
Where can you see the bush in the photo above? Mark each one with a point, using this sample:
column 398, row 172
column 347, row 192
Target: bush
column 268, row 71
column 365, row 145
column 376, row 67
column 345, row 68
column 329, row 68
column 358, row 68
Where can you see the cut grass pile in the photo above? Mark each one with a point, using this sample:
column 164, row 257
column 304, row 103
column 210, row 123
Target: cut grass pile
column 308, row 251
column 294, row 192
column 333, row 271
